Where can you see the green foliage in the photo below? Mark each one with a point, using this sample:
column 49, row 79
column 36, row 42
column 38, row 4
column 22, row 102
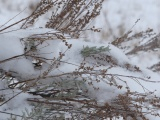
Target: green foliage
column 37, row 113
column 12, row 117
column 87, row 51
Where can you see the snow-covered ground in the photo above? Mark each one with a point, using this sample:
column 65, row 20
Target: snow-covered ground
column 116, row 19
column 121, row 15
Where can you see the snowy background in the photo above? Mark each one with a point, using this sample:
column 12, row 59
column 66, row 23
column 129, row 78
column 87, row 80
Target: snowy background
column 116, row 19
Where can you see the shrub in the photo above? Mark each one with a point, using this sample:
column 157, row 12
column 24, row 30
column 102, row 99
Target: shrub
column 72, row 79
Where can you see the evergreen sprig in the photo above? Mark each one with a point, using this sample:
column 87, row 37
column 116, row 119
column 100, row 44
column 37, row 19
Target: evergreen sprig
column 87, row 51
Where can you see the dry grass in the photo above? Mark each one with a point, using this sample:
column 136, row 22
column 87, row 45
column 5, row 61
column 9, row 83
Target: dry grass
column 72, row 17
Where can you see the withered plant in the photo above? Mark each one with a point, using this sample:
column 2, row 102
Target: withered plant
column 68, row 92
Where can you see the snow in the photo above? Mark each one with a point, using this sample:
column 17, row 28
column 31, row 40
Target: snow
column 11, row 45
column 126, row 13
column 17, row 105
